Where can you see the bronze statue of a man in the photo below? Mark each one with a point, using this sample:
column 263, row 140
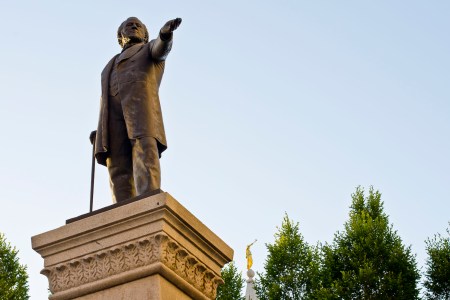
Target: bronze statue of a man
column 130, row 135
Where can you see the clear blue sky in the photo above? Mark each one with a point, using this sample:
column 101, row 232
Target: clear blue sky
column 269, row 107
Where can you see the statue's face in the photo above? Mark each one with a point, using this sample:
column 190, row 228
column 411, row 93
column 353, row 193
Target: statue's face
column 133, row 29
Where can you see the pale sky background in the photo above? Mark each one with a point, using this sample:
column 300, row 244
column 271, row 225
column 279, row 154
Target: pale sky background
column 269, row 107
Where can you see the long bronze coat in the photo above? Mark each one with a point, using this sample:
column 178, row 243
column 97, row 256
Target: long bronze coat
column 139, row 71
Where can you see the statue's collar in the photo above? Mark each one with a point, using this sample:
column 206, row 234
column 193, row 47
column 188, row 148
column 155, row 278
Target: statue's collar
column 129, row 52
column 129, row 45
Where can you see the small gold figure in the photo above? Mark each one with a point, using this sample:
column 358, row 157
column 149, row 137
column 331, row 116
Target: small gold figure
column 248, row 255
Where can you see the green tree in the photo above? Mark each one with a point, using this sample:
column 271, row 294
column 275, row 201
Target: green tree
column 13, row 275
column 437, row 274
column 291, row 270
column 368, row 259
column 233, row 284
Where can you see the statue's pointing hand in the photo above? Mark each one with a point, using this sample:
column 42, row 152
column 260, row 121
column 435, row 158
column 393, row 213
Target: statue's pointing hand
column 171, row 26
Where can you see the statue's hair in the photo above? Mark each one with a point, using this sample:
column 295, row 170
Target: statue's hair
column 119, row 32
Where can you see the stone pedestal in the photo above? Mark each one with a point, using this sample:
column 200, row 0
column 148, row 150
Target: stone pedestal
column 153, row 248
column 250, row 293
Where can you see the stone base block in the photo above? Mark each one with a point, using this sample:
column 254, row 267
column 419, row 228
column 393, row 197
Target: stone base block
column 153, row 248
column 153, row 287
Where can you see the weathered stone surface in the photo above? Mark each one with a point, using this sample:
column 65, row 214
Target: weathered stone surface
column 152, row 242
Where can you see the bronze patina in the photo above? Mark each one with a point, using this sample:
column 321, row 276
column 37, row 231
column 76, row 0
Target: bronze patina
column 130, row 136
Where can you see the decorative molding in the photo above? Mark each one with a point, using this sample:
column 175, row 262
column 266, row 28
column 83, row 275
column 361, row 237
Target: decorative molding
column 130, row 256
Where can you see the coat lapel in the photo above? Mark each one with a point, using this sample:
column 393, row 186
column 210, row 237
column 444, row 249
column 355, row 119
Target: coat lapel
column 129, row 52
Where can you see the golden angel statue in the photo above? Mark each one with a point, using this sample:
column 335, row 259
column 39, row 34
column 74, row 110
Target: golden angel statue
column 248, row 256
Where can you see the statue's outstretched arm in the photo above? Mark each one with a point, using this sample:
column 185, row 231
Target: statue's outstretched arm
column 163, row 44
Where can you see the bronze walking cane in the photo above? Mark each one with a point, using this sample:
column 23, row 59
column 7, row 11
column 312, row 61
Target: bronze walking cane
column 92, row 139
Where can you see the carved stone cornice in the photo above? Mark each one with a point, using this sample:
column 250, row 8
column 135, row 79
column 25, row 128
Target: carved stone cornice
column 153, row 248
column 132, row 257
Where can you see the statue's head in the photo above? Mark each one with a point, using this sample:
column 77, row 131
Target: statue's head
column 132, row 30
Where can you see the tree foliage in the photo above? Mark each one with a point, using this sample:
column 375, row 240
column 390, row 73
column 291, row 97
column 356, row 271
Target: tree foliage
column 291, row 270
column 368, row 259
column 233, row 284
column 13, row 275
column 437, row 274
